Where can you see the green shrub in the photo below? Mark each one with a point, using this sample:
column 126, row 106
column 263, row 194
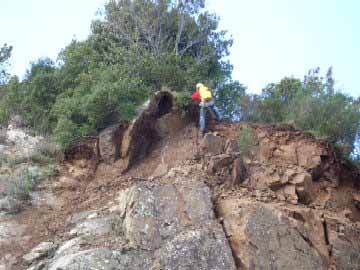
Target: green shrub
column 43, row 154
column 104, row 78
column 12, row 161
column 312, row 105
column 183, row 100
column 20, row 186
column 39, row 158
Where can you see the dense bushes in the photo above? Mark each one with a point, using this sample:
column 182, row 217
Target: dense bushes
column 142, row 46
column 312, row 105
column 139, row 47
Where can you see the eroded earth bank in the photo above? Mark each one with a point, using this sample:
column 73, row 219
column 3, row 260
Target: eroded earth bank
column 150, row 194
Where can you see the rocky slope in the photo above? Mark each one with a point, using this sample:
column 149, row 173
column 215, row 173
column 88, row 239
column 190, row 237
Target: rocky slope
column 151, row 195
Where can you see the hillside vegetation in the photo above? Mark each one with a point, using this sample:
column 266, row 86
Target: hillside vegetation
column 141, row 46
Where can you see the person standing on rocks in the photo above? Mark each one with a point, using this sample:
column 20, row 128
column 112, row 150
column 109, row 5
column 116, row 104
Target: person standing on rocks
column 207, row 102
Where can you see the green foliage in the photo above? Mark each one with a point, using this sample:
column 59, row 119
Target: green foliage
column 247, row 141
column 40, row 90
column 10, row 100
column 20, row 185
column 277, row 98
column 139, row 47
column 333, row 116
column 183, row 101
column 102, row 97
column 5, row 53
column 230, row 98
column 36, row 158
column 312, row 105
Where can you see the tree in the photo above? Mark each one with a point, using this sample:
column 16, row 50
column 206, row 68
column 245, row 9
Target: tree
column 39, row 92
column 231, row 99
column 5, row 53
column 276, row 99
column 312, row 105
column 165, row 38
column 330, row 83
column 139, row 47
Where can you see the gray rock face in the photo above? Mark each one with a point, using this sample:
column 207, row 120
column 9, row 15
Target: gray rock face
column 346, row 254
column 262, row 237
column 166, row 226
column 275, row 236
column 345, row 242
column 96, row 227
column 42, row 250
column 196, row 249
column 154, row 213
column 70, row 247
column 105, row 259
column 87, row 260
column 278, row 246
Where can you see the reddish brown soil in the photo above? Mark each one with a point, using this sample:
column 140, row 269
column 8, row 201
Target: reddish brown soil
column 93, row 190
column 90, row 191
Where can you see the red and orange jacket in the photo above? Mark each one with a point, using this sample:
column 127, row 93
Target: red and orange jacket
column 204, row 94
column 195, row 95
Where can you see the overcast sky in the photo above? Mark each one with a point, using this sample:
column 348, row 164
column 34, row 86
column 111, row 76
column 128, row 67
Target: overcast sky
column 272, row 38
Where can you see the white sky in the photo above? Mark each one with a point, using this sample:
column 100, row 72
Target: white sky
column 273, row 38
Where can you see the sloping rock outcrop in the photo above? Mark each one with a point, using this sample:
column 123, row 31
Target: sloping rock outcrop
column 157, row 226
column 295, row 206
column 131, row 142
column 150, row 195
column 157, row 118
column 276, row 236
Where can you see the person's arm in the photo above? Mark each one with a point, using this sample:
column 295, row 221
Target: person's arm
column 195, row 95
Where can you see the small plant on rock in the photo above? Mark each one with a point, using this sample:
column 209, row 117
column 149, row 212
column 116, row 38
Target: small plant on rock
column 183, row 100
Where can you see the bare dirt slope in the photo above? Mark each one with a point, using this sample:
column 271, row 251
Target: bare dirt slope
column 81, row 187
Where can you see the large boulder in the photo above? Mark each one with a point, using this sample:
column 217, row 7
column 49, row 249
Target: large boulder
column 195, row 249
column 264, row 237
column 94, row 226
column 153, row 213
column 85, row 260
column 344, row 239
column 44, row 249
column 164, row 226
column 278, row 236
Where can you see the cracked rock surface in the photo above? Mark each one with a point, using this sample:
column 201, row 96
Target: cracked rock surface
column 162, row 226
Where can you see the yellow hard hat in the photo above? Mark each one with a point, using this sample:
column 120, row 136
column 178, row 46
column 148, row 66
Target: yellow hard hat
column 199, row 85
